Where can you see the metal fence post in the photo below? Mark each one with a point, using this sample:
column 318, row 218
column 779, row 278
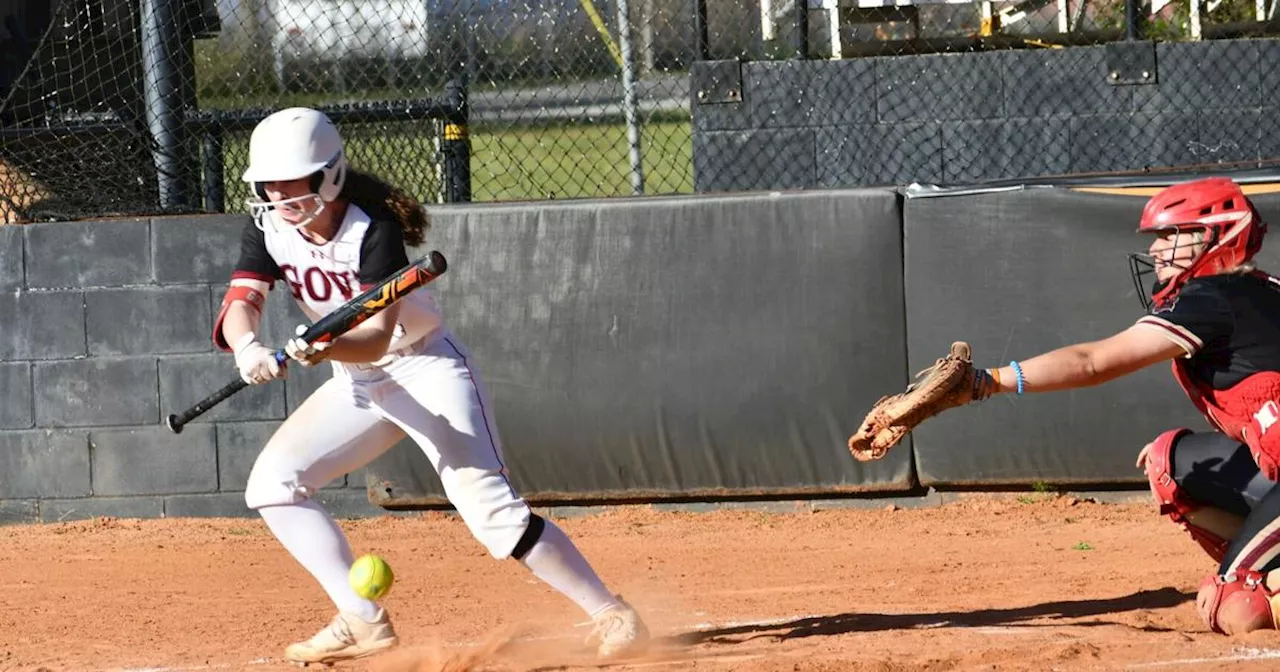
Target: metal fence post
column 1133, row 19
column 166, row 67
column 456, row 145
column 801, row 37
column 629, row 98
column 701, row 44
column 211, row 162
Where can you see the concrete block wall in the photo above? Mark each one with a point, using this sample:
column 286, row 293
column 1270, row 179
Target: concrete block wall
column 105, row 330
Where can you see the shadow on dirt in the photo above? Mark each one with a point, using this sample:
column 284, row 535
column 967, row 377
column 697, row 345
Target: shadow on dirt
column 839, row 624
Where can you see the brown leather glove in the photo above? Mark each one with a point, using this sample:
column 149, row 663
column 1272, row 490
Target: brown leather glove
column 952, row 381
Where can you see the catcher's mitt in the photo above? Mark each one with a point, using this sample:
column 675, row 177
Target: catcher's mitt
column 952, row 381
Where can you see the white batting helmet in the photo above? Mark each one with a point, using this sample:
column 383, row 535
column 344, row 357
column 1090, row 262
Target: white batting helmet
column 294, row 143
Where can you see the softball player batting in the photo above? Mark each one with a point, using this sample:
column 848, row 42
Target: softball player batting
column 1215, row 318
column 329, row 232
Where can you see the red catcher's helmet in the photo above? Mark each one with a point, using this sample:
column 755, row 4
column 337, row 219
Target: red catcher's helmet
column 1231, row 228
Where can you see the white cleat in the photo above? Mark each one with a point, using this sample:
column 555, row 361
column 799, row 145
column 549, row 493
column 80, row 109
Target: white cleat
column 346, row 637
column 620, row 631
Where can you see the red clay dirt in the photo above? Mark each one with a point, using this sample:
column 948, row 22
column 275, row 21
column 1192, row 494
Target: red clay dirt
column 1037, row 582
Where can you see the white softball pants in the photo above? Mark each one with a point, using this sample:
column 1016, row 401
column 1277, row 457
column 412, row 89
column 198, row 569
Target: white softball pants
column 433, row 396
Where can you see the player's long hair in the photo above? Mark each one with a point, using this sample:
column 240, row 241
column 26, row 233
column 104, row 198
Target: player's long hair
column 382, row 200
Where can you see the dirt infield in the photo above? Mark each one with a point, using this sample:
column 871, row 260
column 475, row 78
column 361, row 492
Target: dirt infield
column 1035, row 582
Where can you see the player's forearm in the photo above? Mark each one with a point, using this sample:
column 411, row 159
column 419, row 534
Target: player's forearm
column 368, row 342
column 360, row 345
column 241, row 318
column 1062, row 369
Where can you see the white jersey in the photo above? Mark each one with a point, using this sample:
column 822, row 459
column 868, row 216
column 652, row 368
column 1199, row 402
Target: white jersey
column 362, row 253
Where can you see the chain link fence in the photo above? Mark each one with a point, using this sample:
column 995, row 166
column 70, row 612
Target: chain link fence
column 840, row 93
column 125, row 107
column 134, row 107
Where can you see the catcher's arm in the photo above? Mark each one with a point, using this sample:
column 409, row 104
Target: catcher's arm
column 1092, row 363
column 954, row 381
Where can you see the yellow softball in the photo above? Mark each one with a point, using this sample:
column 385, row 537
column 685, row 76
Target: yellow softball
column 371, row 577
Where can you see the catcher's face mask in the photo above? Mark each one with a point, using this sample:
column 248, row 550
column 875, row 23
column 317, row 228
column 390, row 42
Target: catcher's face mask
column 1170, row 255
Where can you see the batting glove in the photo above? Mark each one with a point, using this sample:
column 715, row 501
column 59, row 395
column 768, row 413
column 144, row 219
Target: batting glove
column 303, row 352
column 256, row 362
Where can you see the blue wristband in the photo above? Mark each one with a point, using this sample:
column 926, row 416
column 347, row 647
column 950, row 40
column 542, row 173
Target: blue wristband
column 1018, row 370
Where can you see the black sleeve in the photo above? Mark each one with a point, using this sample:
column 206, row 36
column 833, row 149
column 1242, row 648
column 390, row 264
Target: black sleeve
column 255, row 261
column 1199, row 318
column 382, row 252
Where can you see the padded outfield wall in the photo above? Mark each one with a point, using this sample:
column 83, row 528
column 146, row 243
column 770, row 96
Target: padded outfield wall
column 1022, row 272
column 655, row 348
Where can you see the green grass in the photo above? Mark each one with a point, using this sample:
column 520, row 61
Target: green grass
column 511, row 163
column 579, row 161
column 508, row 163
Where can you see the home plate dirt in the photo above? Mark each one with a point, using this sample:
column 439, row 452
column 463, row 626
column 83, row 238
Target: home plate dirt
column 1032, row 582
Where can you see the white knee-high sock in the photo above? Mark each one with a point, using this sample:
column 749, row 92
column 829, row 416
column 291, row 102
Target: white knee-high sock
column 313, row 538
column 558, row 563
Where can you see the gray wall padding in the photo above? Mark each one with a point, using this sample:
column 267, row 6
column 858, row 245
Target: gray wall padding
column 664, row 348
column 1016, row 274
column 675, row 347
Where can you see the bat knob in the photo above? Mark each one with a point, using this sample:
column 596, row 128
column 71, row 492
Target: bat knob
column 438, row 263
column 172, row 421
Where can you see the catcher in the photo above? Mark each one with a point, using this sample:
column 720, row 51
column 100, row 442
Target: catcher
column 1216, row 318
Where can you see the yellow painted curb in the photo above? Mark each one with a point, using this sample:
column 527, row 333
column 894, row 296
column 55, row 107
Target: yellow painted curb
column 1248, row 189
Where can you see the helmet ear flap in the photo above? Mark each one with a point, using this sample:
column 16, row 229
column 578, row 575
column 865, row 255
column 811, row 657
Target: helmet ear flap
column 328, row 182
column 260, row 189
